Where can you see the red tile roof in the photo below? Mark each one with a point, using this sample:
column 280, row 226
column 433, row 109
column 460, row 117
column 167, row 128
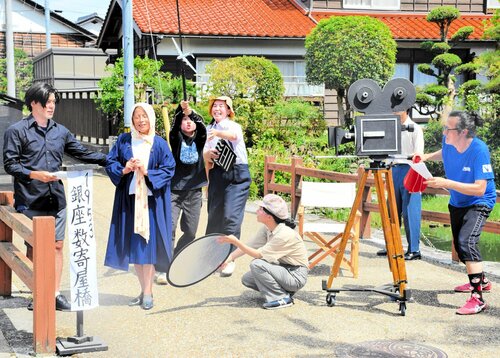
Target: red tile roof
column 415, row 26
column 272, row 18
column 255, row 18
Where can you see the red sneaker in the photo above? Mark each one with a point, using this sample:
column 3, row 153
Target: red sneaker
column 472, row 306
column 466, row 287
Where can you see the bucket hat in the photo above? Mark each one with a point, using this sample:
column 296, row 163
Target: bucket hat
column 275, row 205
column 229, row 103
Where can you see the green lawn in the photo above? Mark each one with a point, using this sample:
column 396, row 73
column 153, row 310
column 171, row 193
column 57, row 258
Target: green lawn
column 440, row 204
column 437, row 234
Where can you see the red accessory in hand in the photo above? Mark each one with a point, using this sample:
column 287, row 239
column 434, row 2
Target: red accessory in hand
column 413, row 181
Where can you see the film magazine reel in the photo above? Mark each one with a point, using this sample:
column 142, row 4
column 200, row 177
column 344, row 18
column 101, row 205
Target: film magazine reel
column 377, row 133
column 366, row 96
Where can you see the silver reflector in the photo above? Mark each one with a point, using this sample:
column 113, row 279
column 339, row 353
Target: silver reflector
column 197, row 260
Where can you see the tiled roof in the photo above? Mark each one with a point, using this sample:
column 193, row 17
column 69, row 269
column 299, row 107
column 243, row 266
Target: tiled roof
column 255, row 18
column 415, row 26
column 272, row 18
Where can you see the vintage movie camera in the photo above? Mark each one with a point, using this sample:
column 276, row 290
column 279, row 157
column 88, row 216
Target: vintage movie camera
column 377, row 133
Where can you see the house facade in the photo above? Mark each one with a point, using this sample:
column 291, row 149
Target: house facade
column 92, row 23
column 28, row 22
column 72, row 61
column 276, row 29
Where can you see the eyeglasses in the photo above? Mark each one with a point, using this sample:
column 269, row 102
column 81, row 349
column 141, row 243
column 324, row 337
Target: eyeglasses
column 446, row 129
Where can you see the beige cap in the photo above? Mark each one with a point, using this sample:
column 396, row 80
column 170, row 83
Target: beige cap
column 229, row 103
column 275, row 205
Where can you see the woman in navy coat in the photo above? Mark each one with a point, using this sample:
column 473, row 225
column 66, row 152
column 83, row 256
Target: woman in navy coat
column 141, row 167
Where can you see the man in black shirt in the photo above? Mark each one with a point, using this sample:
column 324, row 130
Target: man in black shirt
column 33, row 150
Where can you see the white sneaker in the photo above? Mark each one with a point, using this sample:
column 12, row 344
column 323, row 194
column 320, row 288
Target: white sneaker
column 228, row 270
column 161, row 278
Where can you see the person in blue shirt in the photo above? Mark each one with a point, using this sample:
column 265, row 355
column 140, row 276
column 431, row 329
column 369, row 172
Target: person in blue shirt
column 33, row 151
column 470, row 181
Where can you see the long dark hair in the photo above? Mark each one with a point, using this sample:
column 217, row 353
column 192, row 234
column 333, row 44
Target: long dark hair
column 288, row 221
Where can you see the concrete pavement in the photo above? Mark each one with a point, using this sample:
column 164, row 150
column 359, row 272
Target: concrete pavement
column 219, row 317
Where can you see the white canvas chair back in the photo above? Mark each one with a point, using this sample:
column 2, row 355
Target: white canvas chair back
column 328, row 195
column 328, row 235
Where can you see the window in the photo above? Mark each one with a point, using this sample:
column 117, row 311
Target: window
column 419, row 79
column 294, row 78
column 402, row 70
column 372, row 4
column 293, row 71
column 202, row 77
column 493, row 4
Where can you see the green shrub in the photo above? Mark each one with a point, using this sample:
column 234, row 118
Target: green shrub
column 462, row 33
column 439, row 48
column 433, row 136
column 343, row 49
column 146, row 75
column 443, row 14
column 24, row 73
column 249, row 77
column 446, row 61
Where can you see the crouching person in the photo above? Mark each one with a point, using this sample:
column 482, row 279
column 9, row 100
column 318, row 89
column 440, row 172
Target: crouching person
column 280, row 264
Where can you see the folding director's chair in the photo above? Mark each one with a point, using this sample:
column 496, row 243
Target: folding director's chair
column 329, row 195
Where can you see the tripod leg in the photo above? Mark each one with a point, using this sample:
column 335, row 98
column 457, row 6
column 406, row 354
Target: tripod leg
column 384, row 216
column 399, row 262
column 347, row 231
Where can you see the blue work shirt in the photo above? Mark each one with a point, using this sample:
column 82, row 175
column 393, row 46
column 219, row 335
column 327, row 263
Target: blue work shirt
column 28, row 147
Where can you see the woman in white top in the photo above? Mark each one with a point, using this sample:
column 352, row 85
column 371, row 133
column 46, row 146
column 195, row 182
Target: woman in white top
column 227, row 189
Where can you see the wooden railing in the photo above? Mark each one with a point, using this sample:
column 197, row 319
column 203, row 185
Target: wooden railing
column 297, row 172
column 38, row 275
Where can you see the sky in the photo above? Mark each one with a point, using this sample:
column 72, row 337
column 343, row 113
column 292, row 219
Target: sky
column 73, row 9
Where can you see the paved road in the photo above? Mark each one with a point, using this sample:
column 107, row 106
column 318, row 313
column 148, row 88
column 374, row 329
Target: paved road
column 219, row 317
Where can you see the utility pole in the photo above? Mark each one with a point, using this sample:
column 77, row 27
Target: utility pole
column 47, row 24
column 128, row 63
column 9, row 50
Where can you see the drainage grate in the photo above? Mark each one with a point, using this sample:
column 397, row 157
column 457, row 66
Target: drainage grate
column 387, row 349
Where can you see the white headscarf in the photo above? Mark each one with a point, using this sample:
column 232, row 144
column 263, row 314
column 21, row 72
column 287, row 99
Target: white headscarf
column 141, row 149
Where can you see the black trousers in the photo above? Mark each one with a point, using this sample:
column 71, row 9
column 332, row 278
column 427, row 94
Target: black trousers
column 186, row 204
column 466, row 226
column 227, row 197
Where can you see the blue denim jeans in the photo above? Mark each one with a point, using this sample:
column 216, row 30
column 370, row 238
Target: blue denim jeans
column 409, row 206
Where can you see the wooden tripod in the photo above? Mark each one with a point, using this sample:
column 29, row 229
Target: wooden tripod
column 392, row 235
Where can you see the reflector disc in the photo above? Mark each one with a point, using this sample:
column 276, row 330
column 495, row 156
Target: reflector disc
column 197, row 260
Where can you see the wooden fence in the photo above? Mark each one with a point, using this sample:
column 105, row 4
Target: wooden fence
column 297, row 172
column 38, row 275
column 78, row 112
